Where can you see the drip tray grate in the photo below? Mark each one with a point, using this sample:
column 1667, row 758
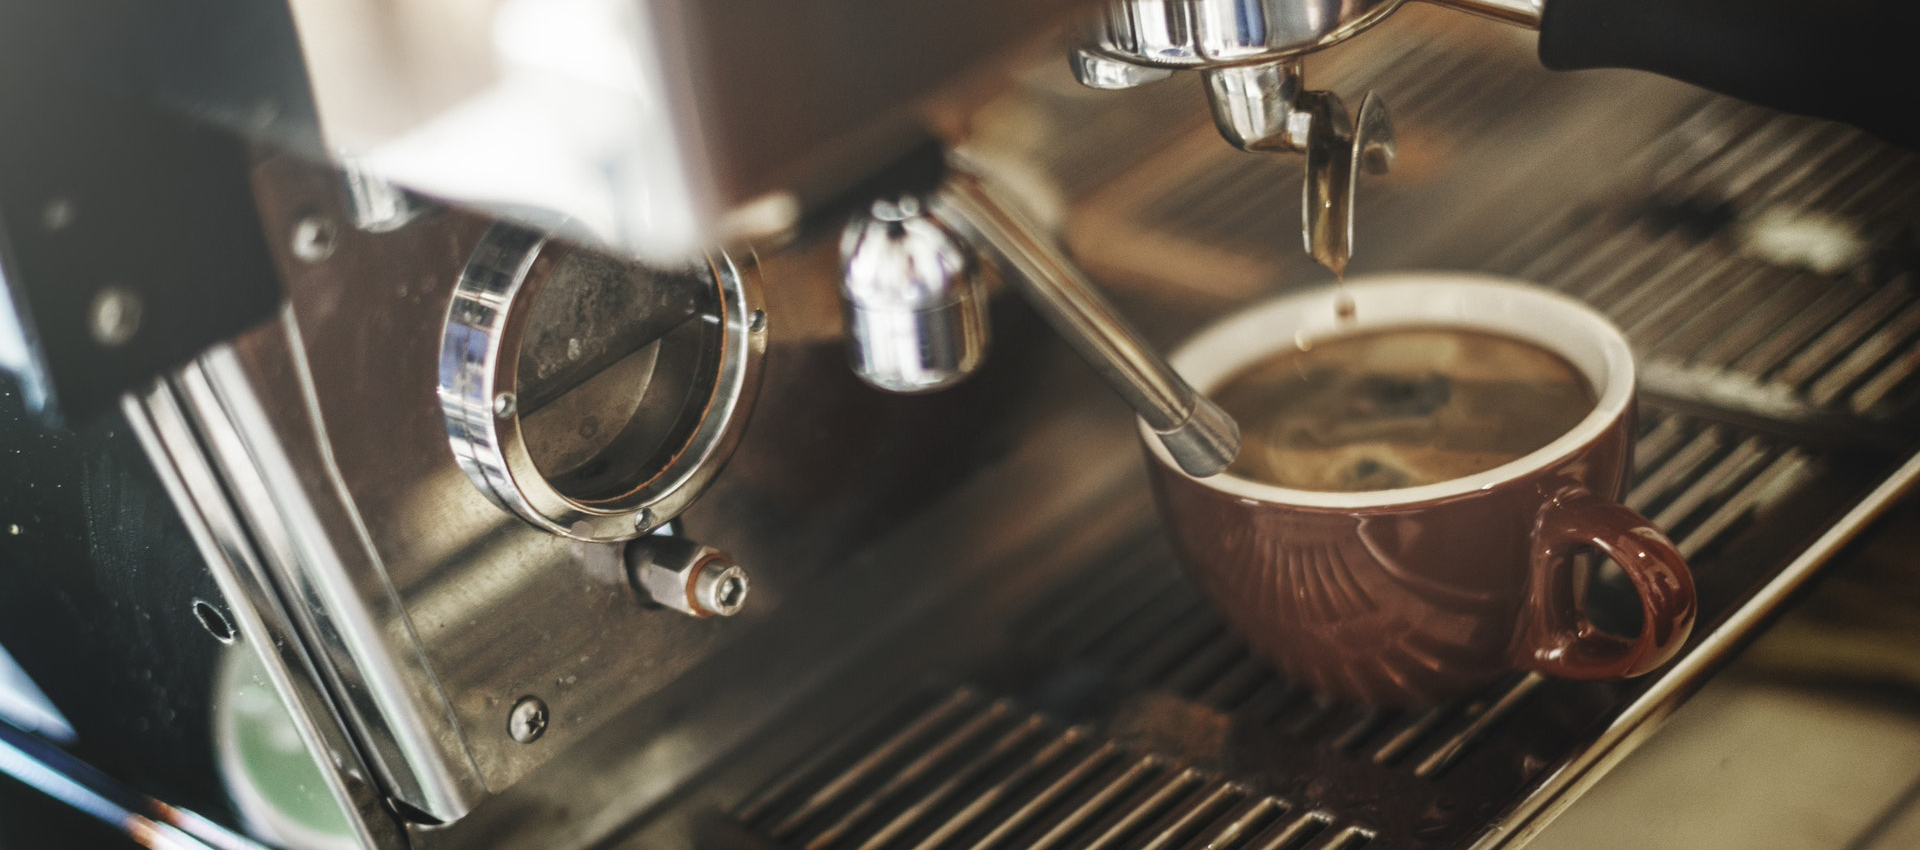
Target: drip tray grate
column 1137, row 720
column 962, row 770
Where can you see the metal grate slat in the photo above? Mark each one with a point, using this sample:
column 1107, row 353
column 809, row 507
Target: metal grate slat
column 1450, row 749
column 1003, row 789
column 868, row 764
column 956, row 777
column 1855, row 367
column 1671, row 472
column 1070, row 780
column 1709, row 483
column 1784, row 475
column 906, row 776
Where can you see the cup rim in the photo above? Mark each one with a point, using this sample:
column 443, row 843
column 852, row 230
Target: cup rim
column 1509, row 307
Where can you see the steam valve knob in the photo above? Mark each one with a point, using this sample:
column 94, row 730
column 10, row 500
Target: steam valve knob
column 916, row 315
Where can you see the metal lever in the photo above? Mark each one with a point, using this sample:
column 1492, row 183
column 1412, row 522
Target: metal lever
column 1197, row 433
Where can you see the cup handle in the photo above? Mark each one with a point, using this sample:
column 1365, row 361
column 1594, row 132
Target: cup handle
column 1556, row 637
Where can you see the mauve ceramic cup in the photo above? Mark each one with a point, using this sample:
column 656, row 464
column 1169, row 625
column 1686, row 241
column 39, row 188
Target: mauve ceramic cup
column 1413, row 595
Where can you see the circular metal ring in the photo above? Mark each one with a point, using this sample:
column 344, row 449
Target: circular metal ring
column 480, row 392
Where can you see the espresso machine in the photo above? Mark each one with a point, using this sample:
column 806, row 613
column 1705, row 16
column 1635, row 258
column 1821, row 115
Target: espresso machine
column 606, row 423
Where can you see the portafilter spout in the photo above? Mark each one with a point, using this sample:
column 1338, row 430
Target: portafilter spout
column 1260, row 104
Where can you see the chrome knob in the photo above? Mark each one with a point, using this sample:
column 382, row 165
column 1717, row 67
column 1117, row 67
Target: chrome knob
column 916, row 316
column 1249, row 53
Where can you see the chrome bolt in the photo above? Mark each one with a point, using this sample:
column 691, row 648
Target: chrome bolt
column 378, row 206
column 758, row 321
column 721, row 588
column 528, row 720
column 643, row 521
column 503, row 405
column 686, row 576
column 313, row 239
column 114, row 316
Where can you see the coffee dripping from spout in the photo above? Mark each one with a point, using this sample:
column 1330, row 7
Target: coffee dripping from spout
column 1250, row 54
column 1264, row 108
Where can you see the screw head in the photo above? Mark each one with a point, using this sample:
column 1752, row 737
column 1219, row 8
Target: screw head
column 504, row 405
column 732, row 592
column 720, row 588
column 528, row 720
column 114, row 316
column 757, row 322
column 313, row 238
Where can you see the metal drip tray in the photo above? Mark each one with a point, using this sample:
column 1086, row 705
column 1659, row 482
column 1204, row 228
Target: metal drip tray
column 983, row 773
column 1763, row 265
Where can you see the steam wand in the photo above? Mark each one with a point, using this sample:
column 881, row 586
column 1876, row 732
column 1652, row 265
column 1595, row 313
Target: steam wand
column 1200, row 436
column 916, row 319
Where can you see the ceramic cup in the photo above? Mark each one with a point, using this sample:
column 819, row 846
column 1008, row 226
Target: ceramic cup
column 1417, row 594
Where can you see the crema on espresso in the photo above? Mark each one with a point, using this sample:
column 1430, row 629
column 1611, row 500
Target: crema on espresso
column 1399, row 407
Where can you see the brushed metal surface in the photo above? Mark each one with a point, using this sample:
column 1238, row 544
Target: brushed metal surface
column 434, row 611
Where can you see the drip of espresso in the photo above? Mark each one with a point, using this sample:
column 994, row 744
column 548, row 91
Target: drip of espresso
column 1343, row 309
column 1401, row 407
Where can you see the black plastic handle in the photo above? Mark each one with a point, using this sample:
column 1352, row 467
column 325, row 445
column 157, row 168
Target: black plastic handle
column 1856, row 61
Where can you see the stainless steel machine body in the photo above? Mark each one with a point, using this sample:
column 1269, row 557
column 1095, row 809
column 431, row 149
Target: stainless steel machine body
column 964, row 630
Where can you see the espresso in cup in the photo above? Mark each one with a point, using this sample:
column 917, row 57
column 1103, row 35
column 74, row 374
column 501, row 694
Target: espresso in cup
column 1388, row 409
column 1416, row 486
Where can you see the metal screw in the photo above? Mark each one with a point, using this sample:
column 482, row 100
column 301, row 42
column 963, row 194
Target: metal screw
column 114, row 316
column 643, row 521
column 758, row 321
column 313, row 238
column 733, row 592
column 528, row 720
column 378, row 206
column 720, row 587
column 503, row 405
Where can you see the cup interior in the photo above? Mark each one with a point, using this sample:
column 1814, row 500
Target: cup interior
column 1497, row 305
